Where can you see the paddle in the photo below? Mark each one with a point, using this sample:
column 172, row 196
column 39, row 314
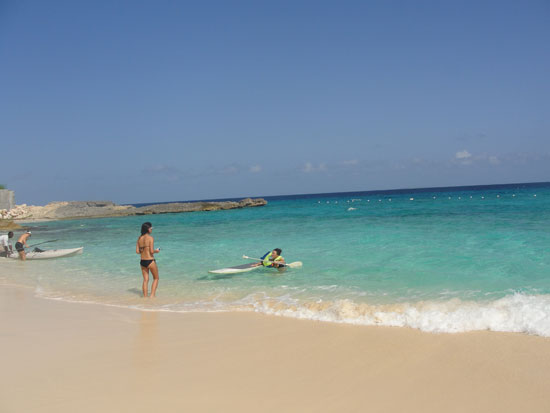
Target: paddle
column 297, row 264
column 44, row 242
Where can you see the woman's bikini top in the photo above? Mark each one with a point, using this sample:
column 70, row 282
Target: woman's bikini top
column 140, row 247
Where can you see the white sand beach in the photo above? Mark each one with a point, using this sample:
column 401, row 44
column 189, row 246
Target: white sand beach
column 66, row 357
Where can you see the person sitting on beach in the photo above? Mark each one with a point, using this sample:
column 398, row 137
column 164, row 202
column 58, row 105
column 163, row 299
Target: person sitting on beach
column 5, row 244
column 145, row 247
column 21, row 244
column 272, row 259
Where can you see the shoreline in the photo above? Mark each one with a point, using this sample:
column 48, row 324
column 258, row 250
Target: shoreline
column 61, row 356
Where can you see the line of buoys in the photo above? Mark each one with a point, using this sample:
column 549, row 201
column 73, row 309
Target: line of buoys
column 412, row 199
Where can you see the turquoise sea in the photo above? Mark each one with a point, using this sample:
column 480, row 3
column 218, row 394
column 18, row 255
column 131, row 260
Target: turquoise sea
column 440, row 260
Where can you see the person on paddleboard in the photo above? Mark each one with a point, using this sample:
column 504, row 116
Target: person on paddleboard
column 21, row 244
column 272, row 259
column 5, row 244
column 145, row 247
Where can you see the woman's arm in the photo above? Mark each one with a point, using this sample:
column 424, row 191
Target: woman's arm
column 137, row 247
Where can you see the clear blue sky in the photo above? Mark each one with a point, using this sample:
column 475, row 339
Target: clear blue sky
column 143, row 101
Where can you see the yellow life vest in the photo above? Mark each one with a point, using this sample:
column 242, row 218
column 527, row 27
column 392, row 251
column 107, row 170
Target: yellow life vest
column 268, row 262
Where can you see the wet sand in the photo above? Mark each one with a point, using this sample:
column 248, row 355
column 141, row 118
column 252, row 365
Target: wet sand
column 67, row 357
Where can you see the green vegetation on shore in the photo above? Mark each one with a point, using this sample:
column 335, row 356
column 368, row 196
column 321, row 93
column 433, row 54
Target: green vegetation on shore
column 2, row 186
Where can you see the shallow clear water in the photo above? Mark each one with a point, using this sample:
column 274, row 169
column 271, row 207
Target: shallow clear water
column 453, row 260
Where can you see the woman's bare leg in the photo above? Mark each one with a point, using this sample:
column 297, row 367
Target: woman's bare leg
column 155, row 271
column 145, row 286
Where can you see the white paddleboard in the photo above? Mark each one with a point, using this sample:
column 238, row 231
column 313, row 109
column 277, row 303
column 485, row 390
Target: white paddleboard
column 250, row 267
column 237, row 269
column 49, row 254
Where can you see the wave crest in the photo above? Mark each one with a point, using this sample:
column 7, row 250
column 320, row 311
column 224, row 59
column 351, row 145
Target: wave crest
column 515, row 313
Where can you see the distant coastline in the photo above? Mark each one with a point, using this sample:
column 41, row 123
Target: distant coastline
column 108, row 209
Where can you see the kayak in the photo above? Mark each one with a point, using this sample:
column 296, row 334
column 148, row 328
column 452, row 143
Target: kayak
column 237, row 269
column 251, row 267
column 48, row 254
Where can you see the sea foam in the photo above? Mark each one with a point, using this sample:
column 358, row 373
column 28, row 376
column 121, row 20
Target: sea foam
column 514, row 313
column 519, row 313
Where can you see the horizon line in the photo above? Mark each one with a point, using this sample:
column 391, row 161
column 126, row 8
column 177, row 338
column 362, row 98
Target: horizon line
column 324, row 194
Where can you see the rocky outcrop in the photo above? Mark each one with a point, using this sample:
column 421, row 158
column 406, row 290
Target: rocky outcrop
column 14, row 213
column 103, row 209
column 64, row 210
column 199, row 206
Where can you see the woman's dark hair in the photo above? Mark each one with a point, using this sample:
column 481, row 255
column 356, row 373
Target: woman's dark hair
column 279, row 251
column 145, row 227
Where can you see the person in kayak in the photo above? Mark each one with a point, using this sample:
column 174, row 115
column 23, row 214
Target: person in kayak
column 21, row 244
column 272, row 259
column 5, row 244
column 145, row 247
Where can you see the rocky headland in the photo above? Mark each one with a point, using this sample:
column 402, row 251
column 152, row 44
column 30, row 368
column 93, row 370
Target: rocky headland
column 105, row 209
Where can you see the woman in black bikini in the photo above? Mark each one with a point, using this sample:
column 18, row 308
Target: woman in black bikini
column 145, row 247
